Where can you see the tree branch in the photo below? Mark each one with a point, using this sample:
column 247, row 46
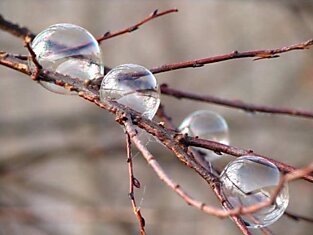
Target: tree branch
column 237, row 152
column 297, row 217
column 38, row 66
column 133, row 182
column 237, row 104
column 259, row 54
column 153, row 15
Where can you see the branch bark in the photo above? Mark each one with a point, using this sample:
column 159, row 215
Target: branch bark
column 153, row 15
column 237, row 104
column 258, row 55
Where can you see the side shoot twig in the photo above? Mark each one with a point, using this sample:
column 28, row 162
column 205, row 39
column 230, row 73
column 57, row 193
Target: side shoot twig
column 153, row 15
column 38, row 67
column 133, row 182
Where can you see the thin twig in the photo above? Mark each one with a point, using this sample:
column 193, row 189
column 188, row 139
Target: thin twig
column 259, row 54
column 297, row 217
column 153, row 15
column 132, row 180
column 166, row 90
column 38, row 67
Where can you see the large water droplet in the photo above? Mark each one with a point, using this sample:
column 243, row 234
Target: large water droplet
column 134, row 86
column 206, row 125
column 249, row 180
column 70, row 50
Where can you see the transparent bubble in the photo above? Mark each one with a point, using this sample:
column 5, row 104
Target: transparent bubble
column 70, row 50
column 206, row 125
column 134, row 86
column 249, row 180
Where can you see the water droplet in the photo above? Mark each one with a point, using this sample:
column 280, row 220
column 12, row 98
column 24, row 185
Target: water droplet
column 134, row 86
column 249, row 180
column 70, row 50
column 206, row 125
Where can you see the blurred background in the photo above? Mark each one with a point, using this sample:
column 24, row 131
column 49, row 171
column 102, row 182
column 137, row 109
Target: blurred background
column 63, row 165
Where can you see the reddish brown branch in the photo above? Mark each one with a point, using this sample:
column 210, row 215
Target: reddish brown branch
column 237, row 152
column 15, row 29
column 259, row 54
column 237, row 104
column 132, row 181
column 38, row 67
column 153, row 15
column 297, row 217
column 14, row 62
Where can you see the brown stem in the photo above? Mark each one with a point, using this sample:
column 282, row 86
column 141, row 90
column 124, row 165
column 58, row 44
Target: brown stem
column 38, row 67
column 237, row 104
column 137, row 212
column 153, row 15
column 297, row 217
column 259, row 54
